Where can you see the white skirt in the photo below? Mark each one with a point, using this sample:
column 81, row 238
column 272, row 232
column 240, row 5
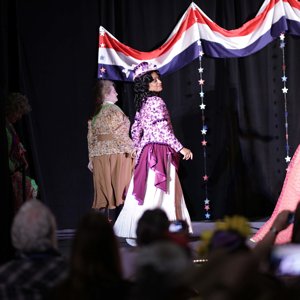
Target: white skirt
column 171, row 202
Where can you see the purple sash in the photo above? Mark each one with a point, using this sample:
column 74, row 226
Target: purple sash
column 155, row 157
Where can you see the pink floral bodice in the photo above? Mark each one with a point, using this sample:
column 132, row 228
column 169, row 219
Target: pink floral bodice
column 152, row 124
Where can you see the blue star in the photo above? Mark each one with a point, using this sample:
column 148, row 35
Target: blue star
column 207, row 215
column 284, row 78
column 206, row 201
column 282, row 45
column 201, row 94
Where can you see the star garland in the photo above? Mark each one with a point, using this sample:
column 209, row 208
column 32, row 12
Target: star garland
column 101, row 69
column 204, row 129
column 284, row 91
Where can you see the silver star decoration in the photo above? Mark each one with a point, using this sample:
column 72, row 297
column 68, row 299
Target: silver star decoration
column 202, row 106
column 199, row 43
column 207, row 215
column 126, row 71
column 201, row 94
column 200, row 70
column 201, row 53
column 282, row 37
column 288, row 158
column 284, row 78
column 203, row 131
column 102, row 45
column 206, row 201
column 102, row 31
column 285, row 90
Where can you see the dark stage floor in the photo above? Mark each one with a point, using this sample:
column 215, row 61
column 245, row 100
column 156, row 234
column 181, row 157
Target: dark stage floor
column 65, row 236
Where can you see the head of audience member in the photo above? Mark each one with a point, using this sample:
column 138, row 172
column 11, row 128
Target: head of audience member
column 95, row 253
column 34, row 228
column 152, row 226
column 16, row 106
column 230, row 234
column 296, row 229
column 231, row 276
column 163, row 271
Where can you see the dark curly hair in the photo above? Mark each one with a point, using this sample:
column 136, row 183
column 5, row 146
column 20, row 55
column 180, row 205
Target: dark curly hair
column 141, row 89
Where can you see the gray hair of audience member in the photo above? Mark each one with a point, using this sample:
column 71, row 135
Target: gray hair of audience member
column 34, row 227
column 164, row 263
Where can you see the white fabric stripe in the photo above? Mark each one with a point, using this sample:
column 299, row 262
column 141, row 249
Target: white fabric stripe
column 112, row 57
column 292, row 13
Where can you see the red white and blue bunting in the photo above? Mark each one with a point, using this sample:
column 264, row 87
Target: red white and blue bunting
column 116, row 60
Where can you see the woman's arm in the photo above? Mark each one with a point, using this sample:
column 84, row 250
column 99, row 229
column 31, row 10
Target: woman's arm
column 136, row 131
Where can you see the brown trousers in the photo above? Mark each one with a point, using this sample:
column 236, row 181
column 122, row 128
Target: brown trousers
column 111, row 174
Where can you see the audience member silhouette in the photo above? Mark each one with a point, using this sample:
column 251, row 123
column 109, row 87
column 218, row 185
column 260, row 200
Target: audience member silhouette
column 38, row 265
column 163, row 271
column 95, row 268
column 153, row 226
column 234, row 270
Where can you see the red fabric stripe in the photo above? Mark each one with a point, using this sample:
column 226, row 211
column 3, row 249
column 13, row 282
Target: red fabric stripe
column 294, row 3
column 128, row 51
column 246, row 28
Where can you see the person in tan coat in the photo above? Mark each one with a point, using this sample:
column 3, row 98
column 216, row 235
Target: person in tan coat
column 111, row 151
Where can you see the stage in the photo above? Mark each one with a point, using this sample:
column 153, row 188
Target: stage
column 65, row 237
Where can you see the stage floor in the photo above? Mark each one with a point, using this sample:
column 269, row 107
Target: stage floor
column 65, row 236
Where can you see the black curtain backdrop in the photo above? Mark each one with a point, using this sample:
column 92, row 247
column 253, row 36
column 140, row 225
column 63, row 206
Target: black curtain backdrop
column 57, row 54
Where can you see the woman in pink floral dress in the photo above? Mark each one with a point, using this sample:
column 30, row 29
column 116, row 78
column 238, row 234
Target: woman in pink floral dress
column 155, row 182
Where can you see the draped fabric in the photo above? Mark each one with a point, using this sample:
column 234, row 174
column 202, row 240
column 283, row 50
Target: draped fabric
column 196, row 32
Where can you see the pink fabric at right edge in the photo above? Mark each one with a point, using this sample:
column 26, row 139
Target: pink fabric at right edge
column 288, row 199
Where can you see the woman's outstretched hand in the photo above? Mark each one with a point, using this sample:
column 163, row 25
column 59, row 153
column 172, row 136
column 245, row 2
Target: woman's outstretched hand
column 187, row 153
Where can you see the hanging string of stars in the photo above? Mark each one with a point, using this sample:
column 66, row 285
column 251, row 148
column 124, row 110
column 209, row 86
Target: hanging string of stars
column 201, row 81
column 284, row 91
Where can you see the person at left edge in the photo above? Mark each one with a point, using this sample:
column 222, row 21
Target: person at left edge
column 111, row 151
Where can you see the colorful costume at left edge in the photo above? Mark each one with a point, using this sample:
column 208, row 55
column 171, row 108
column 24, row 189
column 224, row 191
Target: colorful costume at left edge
column 17, row 161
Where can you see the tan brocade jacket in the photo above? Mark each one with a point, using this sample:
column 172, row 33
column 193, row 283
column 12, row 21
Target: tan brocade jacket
column 108, row 132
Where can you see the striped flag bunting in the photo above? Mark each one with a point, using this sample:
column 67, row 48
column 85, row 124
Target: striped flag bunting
column 117, row 60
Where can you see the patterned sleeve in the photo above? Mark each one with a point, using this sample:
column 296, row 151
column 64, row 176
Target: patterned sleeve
column 163, row 125
column 136, row 131
column 120, row 125
column 90, row 138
